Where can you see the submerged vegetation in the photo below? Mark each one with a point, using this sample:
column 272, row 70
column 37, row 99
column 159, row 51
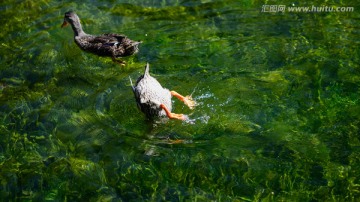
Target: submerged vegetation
column 277, row 116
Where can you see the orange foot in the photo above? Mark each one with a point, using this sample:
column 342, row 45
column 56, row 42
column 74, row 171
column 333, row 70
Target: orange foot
column 177, row 116
column 173, row 115
column 187, row 99
column 176, row 141
column 122, row 63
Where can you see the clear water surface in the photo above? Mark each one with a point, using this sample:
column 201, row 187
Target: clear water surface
column 277, row 116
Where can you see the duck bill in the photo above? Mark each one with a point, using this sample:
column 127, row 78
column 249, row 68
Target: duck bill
column 64, row 24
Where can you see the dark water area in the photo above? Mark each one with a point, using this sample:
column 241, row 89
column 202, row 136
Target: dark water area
column 277, row 115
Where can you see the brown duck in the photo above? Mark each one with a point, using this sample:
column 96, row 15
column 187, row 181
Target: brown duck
column 112, row 45
column 154, row 100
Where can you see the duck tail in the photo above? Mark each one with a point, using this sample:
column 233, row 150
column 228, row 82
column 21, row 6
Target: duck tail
column 132, row 86
column 136, row 43
column 147, row 73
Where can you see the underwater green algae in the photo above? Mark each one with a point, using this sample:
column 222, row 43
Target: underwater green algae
column 277, row 116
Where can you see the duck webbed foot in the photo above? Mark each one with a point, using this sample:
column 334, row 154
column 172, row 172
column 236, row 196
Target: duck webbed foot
column 187, row 99
column 122, row 63
column 173, row 115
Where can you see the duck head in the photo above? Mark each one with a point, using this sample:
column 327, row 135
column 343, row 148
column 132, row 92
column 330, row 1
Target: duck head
column 70, row 18
column 74, row 20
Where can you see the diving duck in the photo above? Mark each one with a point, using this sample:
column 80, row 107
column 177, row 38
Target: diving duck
column 154, row 100
column 112, row 45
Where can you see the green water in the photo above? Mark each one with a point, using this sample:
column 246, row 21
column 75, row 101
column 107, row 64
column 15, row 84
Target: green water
column 277, row 116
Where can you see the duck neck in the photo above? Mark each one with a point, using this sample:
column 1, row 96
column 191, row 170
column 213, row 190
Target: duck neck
column 78, row 31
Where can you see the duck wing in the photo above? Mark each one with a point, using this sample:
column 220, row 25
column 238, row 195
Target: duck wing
column 120, row 44
column 108, row 39
column 114, row 45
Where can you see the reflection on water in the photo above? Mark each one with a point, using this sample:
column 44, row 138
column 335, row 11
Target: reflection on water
column 100, row 105
column 277, row 110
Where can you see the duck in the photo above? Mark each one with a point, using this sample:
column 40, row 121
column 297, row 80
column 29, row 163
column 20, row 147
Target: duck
column 111, row 45
column 154, row 100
